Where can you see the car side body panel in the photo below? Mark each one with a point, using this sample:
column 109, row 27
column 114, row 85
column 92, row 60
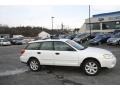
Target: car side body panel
column 70, row 58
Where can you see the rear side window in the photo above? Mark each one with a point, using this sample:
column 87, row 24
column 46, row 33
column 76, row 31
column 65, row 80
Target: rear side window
column 46, row 46
column 33, row 46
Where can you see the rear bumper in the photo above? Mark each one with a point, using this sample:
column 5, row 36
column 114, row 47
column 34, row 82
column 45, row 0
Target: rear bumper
column 23, row 59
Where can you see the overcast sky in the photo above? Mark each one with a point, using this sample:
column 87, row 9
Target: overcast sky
column 72, row 16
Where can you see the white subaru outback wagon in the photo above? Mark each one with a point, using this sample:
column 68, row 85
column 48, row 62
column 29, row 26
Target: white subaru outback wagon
column 65, row 52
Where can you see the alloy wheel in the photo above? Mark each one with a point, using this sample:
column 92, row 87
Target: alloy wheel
column 91, row 68
column 34, row 65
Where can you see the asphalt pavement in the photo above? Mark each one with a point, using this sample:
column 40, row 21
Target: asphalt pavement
column 13, row 72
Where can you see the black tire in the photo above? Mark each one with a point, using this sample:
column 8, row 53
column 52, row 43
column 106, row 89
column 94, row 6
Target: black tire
column 87, row 39
column 91, row 67
column 99, row 43
column 34, row 64
column 81, row 41
column 119, row 43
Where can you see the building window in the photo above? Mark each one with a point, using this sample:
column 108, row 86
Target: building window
column 111, row 25
column 118, row 25
column 105, row 25
column 94, row 26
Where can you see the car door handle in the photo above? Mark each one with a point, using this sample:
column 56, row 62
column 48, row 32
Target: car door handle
column 57, row 53
column 38, row 52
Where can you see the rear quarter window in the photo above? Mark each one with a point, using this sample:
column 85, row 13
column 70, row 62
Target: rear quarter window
column 33, row 46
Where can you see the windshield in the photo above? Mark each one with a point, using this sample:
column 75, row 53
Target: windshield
column 98, row 37
column 79, row 35
column 76, row 45
column 68, row 36
column 82, row 35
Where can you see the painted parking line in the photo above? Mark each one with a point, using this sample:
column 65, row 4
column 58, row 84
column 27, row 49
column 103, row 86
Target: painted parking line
column 13, row 72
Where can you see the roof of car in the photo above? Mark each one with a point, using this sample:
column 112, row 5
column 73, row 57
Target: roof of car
column 64, row 40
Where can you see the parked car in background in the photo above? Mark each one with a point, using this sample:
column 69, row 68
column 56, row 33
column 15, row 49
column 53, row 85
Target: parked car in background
column 116, row 31
column 65, row 52
column 72, row 36
column 62, row 36
column 82, row 37
column 4, row 42
column 94, row 34
column 27, row 40
column 114, row 40
column 99, row 39
column 17, row 41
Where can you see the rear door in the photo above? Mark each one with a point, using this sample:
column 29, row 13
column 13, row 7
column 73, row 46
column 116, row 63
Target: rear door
column 46, row 53
column 64, row 55
column 43, row 51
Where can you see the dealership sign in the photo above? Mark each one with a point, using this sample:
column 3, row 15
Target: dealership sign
column 109, row 19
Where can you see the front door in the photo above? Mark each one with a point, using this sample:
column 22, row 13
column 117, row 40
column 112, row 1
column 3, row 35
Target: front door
column 64, row 55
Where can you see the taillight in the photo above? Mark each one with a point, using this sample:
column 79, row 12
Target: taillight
column 22, row 51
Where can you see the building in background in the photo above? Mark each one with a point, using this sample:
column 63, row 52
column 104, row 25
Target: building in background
column 43, row 35
column 105, row 22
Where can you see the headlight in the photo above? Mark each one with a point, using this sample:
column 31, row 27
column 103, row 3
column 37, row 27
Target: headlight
column 95, row 41
column 108, row 40
column 108, row 56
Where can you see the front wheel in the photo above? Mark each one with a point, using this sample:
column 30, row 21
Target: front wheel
column 99, row 43
column 118, row 42
column 34, row 65
column 91, row 67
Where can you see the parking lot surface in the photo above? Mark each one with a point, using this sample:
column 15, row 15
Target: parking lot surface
column 15, row 73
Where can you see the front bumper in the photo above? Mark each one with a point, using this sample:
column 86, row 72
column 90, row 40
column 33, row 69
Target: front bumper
column 6, row 44
column 93, row 43
column 112, row 43
column 109, row 63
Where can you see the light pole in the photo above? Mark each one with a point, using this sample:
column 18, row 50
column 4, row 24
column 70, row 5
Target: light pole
column 89, row 21
column 52, row 23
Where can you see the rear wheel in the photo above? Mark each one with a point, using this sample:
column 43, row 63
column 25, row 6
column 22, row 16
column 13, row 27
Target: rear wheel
column 91, row 67
column 34, row 64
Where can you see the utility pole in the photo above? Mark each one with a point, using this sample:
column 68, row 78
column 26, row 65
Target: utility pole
column 89, row 21
column 62, row 26
column 52, row 23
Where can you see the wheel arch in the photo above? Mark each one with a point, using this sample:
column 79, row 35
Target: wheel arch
column 31, row 59
column 90, row 58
